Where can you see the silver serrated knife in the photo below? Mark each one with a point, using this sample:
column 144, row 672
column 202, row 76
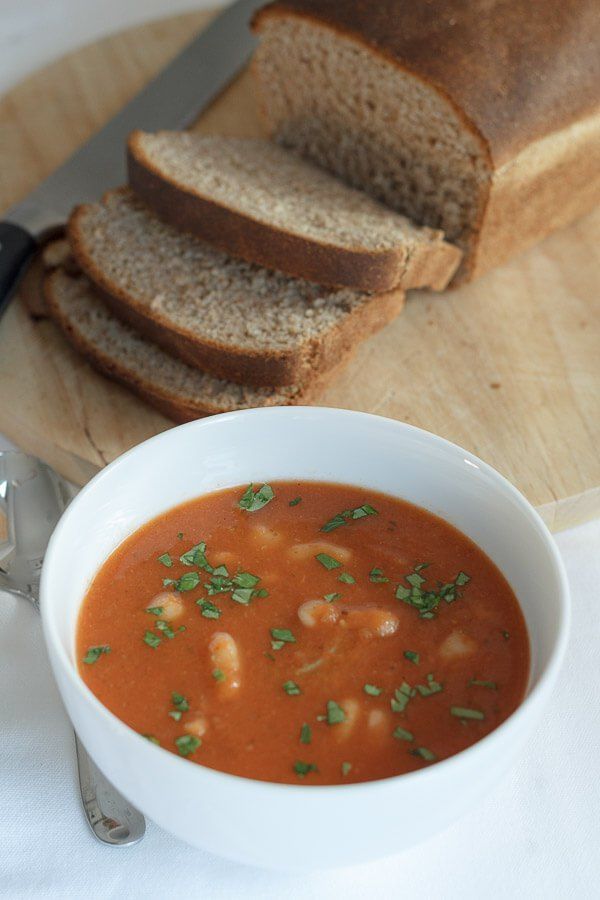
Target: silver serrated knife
column 172, row 100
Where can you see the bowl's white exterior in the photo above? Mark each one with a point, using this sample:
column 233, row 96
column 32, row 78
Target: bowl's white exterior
column 288, row 826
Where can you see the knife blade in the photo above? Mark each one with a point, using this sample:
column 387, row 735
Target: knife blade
column 171, row 100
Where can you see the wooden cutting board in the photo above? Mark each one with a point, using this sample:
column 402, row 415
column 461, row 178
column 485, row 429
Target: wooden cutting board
column 508, row 367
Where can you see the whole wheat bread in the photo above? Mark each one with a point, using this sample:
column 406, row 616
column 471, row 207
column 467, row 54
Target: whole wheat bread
column 257, row 201
column 118, row 351
column 231, row 319
column 481, row 118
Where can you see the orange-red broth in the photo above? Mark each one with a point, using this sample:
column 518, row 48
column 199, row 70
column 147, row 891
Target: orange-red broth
column 240, row 718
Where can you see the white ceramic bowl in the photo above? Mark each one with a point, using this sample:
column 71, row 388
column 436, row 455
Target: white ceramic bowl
column 300, row 827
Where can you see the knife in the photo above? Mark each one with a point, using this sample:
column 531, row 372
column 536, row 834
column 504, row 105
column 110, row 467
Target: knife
column 172, row 100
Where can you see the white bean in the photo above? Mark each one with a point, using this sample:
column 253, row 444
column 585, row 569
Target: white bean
column 197, row 726
column 171, row 604
column 457, row 645
column 265, row 537
column 377, row 719
column 224, row 656
column 223, row 558
column 343, row 730
column 310, row 550
column 371, row 621
column 318, row 612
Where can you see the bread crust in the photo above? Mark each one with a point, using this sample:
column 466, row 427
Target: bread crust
column 516, row 70
column 430, row 265
column 272, row 368
column 171, row 405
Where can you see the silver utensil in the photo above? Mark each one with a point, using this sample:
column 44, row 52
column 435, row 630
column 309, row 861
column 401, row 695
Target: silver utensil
column 32, row 499
column 172, row 100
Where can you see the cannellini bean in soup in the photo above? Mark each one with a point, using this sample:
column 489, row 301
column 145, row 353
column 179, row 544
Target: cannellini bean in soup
column 318, row 612
column 196, row 726
column 310, row 550
column 225, row 659
column 370, row 621
column 223, row 558
column 265, row 537
column 456, row 646
column 377, row 719
column 171, row 604
column 343, row 730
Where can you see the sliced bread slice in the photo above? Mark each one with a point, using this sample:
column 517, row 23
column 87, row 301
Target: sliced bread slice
column 231, row 319
column 265, row 204
column 118, row 351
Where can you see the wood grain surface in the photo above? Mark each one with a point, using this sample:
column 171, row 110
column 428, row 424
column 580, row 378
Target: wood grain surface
column 508, row 367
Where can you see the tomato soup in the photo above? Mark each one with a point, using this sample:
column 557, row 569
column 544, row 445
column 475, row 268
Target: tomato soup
column 304, row 632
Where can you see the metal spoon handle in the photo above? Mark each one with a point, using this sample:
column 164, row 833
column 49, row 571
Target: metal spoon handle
column 32, row 498
column 112, row 819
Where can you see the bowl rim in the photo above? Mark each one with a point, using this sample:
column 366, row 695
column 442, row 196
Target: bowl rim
column 201, row 772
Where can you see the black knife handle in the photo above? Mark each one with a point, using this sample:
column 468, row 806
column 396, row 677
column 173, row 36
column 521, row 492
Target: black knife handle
column 16, row 248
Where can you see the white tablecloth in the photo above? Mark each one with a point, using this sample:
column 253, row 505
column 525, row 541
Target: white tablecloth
column 536, row 836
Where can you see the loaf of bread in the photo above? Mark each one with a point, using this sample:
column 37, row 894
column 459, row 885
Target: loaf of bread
column 257, row 201
column 236, row 321
column 479, row 117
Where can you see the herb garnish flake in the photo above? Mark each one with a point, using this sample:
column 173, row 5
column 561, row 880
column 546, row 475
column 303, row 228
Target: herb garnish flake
column 94, row 653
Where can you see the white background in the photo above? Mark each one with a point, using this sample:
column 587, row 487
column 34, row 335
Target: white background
column 536, row 836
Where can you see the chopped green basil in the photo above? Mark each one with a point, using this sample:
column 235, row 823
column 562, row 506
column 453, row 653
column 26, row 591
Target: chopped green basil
column 463, row 712
column 402, row 734
column 295, row 501
column 187, row 744
column 245, row 580
column 208, row 609
column 347, row 578
column 166, row 560
column 305, row 734
column 153, row 640
column 328, row 561
column 175, row 714
column 94, row 653
column 377, row 577
column 303, row 768
column 152, row 739
column 251, row 501
column 291, row 688
column 218, row 674
column 346, row 768
column 335, row 713
column 166, row 629
column 180, row 535
column 424, row 753
column 155, row 610
column 426, row 602
column 402, row 695
column 196, row 556
column 412, row 656
column 329, row 598
column 179, row 702
column 348, row 515
column 243, row 595
column 187, row 582
column 283, row 634
column 371, row 690
column 432, row 687
column 219, row 582
column 277, row 645
column 492, row 685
